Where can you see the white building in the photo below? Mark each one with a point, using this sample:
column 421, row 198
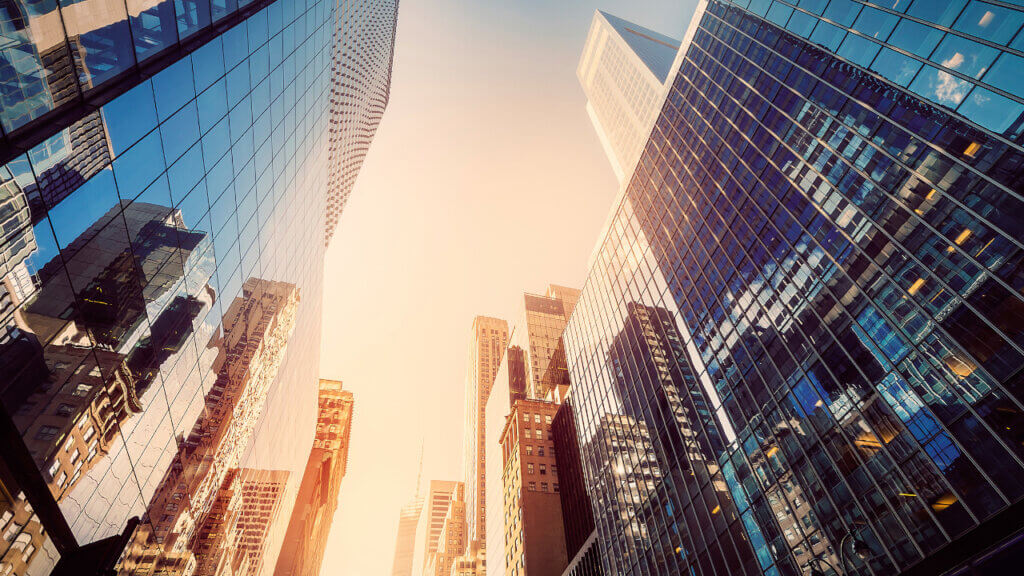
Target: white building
column 623, row 72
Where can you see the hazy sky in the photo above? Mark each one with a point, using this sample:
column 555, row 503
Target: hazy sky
column 485, row 180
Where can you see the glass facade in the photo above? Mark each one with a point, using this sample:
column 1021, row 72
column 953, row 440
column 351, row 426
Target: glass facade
column 162, row 270
column 805, row 318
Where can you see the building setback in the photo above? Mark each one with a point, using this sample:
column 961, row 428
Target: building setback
column 305, row 541
column 823, row 368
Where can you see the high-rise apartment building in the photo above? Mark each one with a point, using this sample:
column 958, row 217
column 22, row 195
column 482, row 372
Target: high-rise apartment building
column 623, row 71
column 164, row 185
column 546, row 317
column 800, row 342
column 435, row 510
column 487, row 346
column 305, row 541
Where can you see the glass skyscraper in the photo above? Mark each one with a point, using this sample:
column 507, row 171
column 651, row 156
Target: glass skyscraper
column 803, row 331
column 164, row 185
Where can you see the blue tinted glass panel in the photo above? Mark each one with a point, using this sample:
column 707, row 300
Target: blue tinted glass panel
column 843, row 12
column 895, row 67
column 943, row 12
column 858, row 50
column 965, row 56
column 990, row 22
column 154, row 26
column 193, row 16
column 875, row 23
column 995, row 112
column 916, row 38
column 173, row 87
column 1007, row 74
column 105, row 51
column 940, row 87
column 814, row 6
column 801, row 24
column 828, row 35
column 779, row 13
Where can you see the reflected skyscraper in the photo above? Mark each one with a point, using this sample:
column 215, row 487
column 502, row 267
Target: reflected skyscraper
column 166, row 172
column 802, row 328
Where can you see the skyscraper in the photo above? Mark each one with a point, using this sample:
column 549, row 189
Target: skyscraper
column 302, row 552
column 164, row 185
column 360, row 90
column 799, row 345
column 623, row 71
column 546, row 317
column 405, row 541
column 487, row 346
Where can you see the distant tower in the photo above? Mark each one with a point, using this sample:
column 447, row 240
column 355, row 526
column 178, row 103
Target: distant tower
column 490, row 338
column 405, row 543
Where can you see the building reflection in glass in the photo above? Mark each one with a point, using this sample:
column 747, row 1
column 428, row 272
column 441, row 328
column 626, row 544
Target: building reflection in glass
column 836, row 258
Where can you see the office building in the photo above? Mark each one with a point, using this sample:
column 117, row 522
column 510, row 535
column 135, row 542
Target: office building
column 489, row 340
column 546, row 317
column 165, row 175
column 316, row 504
column 799, row 345
column 623, row 71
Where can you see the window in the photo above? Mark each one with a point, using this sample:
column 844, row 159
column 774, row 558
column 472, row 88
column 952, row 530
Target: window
column 82, row 390
column 554, row 469
column 555, row 488
column 540, row 450
column 529, row 450
column 540, row 434
column 47, row 432
column 543, row 469
column 536, row 418
column 529, row 468
column 65, row 410
column 547, row 419
column 532, row 486
column 544, row 486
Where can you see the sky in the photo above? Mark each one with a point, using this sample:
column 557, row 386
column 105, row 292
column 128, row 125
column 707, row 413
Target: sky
column 485, row 180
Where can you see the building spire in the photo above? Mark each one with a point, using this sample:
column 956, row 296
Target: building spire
column 419, row 473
